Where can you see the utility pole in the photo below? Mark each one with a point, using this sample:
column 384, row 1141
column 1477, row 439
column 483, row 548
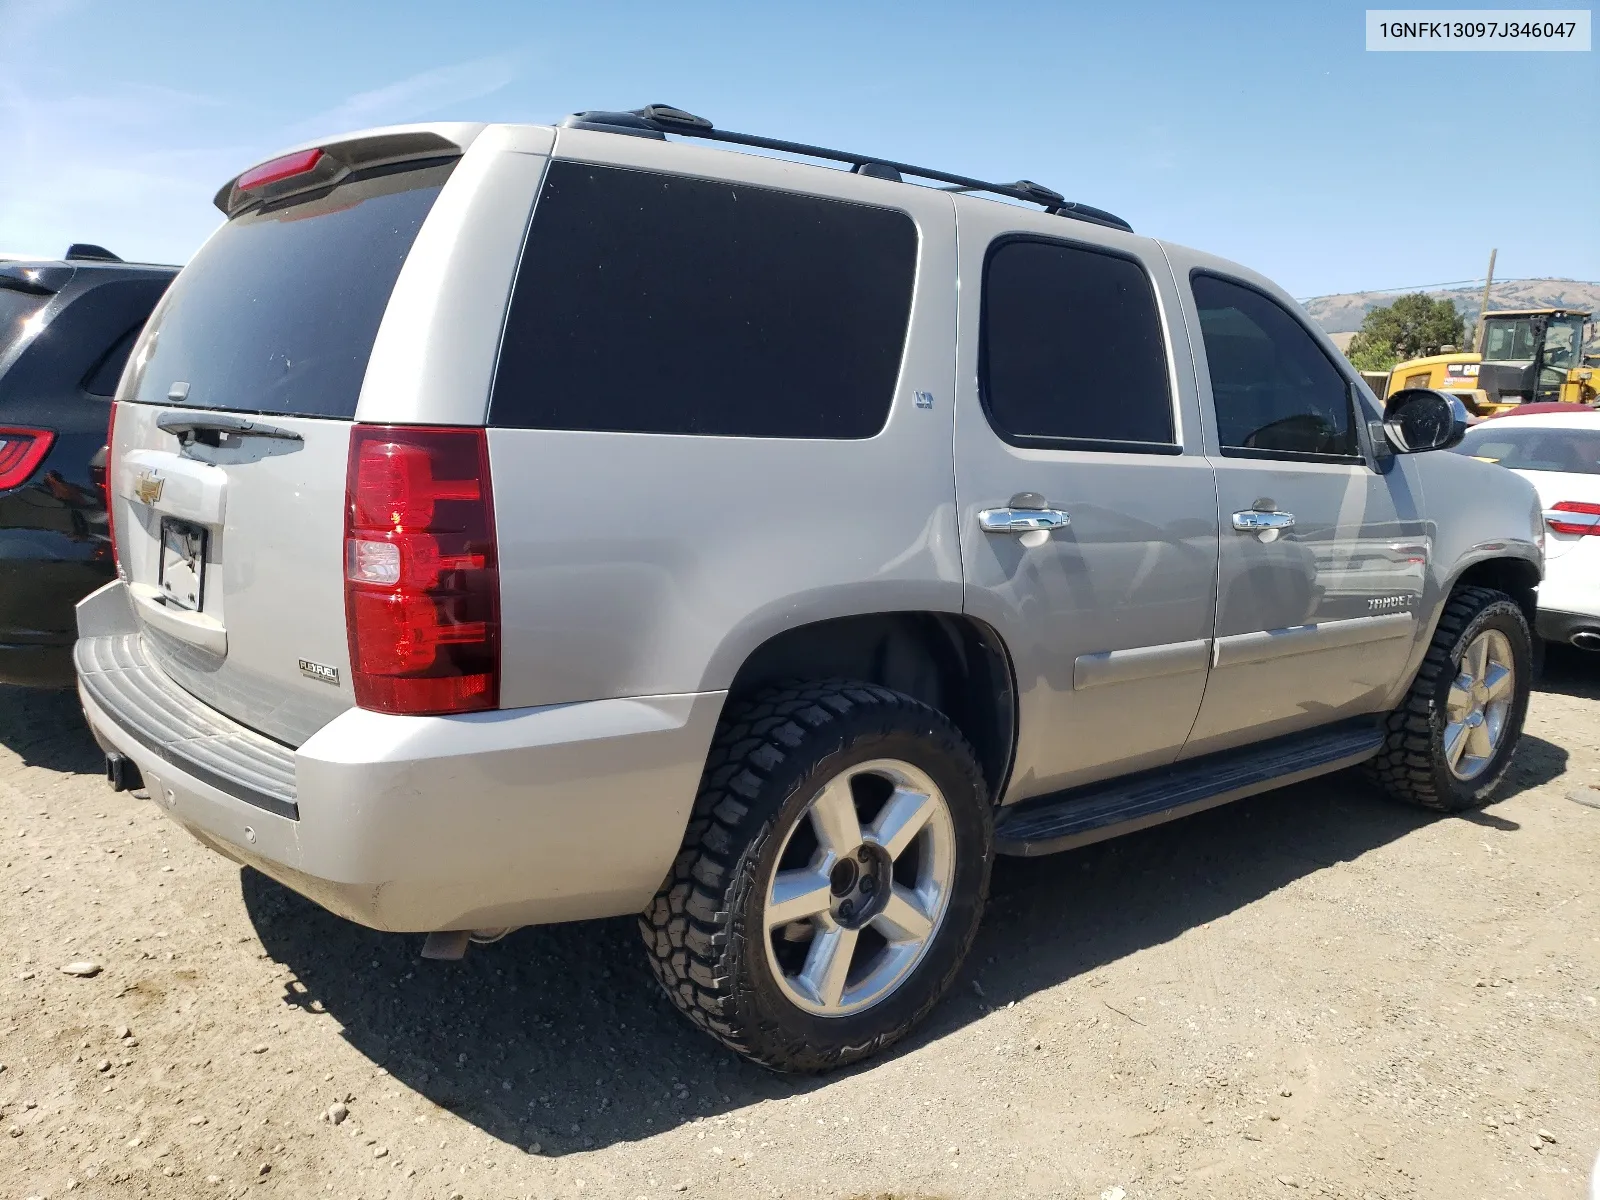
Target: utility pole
column 1488, row 282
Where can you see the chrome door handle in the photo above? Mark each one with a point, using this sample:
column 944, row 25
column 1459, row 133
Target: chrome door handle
column 1022, row 520
column 1254, row 521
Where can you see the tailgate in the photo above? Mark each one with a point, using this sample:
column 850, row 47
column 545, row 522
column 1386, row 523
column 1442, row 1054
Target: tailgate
column 231, row 442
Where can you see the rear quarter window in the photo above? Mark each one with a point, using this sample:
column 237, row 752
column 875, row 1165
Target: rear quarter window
column 651, row 303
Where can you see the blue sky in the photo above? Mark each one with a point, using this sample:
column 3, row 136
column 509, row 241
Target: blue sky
column 1262, row 132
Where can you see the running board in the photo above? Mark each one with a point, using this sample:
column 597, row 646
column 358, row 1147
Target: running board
column 1076, row 817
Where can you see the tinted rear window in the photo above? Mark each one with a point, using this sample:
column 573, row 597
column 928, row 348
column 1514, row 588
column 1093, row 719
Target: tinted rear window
column 1073, row 352
column 655, row 303
column 277, row 313
column 1535, row 449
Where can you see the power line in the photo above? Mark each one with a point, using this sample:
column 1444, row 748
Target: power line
column 1422, row 287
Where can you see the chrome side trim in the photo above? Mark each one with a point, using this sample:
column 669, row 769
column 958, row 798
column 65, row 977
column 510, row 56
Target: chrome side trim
column 1141, row 662
column 1241, row 648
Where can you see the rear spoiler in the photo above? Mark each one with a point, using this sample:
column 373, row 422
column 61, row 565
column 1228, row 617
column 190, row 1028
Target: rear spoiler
column 317, row 167
column 35, row 280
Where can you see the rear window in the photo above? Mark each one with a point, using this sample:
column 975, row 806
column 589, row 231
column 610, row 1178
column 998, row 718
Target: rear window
column 652, row 303
column 277, row 313
column 1549, row 449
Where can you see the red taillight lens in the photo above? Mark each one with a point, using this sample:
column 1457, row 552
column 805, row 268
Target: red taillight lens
column 275, row 169
column 1579, row 517
column 21, row 452
column 422, row 582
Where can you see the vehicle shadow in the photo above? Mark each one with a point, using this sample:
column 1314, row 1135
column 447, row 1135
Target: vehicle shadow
column 558, row 1035
column 45, row 728
column 1569, row 671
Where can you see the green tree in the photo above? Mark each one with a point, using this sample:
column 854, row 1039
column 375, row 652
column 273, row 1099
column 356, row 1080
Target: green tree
column 1411, row 327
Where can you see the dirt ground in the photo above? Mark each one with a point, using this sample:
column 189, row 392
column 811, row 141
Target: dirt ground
column 1314, row 992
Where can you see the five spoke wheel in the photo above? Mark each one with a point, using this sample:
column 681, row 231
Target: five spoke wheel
column 859, row 887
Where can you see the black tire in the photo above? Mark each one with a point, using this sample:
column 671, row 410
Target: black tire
column 770, row 755
column 1412, row 766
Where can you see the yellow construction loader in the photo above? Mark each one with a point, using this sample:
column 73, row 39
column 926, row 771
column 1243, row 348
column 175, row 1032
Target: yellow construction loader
column 1523, row 356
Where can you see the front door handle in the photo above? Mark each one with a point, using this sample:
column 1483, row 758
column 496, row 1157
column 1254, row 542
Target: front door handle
column 1253, row 520
column 1022, row 520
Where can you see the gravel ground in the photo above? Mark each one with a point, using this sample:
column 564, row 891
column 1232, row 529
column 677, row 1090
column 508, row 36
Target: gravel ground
column 1314, row 992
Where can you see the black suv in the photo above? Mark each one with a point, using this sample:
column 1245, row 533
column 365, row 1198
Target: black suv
column 66, row 327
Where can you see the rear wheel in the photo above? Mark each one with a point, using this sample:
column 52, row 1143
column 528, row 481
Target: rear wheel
column 1450, row 742
column 832, row 877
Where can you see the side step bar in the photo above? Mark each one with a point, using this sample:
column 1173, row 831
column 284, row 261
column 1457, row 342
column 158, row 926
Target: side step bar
column 1098, row 811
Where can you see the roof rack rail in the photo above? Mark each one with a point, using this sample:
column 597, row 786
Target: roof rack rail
column 658, row 120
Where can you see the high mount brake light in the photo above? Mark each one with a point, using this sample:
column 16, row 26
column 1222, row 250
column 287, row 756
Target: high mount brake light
column 21, row 452
column 285, row 167
column 422, row 584
column 1582, row 518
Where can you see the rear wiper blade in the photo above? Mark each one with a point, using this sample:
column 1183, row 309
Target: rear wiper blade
column 188, row 426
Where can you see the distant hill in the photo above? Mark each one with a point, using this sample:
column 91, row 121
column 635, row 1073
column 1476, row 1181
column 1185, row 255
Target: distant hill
column 1343, row 314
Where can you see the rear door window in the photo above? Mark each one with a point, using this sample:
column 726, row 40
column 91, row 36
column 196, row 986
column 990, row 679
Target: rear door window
column 1276, row 393
column 651, row 303
column 1073, row 354
column 277, row 313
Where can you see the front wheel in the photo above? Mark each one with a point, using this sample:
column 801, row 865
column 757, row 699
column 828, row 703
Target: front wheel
column 1450, row 742
column 831, row 879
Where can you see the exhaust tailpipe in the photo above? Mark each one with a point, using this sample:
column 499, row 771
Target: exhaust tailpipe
column 1587, row 639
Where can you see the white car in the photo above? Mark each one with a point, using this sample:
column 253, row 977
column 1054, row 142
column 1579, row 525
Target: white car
column 1559, row 453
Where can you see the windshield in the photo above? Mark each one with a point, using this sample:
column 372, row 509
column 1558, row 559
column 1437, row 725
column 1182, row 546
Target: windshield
column 1508, row 339
column 1563, row 341
column 277, row 313
column 1547, row 448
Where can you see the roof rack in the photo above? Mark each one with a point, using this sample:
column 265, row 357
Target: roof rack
column 658, row 120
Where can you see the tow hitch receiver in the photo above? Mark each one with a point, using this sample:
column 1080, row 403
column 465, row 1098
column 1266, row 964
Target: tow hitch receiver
column 122, row 773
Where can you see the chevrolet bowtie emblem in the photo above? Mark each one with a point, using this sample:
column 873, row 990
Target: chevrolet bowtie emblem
column 148, row 487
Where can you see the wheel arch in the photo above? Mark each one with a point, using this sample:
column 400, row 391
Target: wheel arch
column 949, row 661
column 1515, row 576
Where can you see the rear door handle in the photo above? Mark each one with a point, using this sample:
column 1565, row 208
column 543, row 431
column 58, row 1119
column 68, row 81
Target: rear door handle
column 1254, row 521
column 1022, row 520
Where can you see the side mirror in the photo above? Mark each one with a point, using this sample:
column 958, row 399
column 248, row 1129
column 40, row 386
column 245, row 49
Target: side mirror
column 1419, row 419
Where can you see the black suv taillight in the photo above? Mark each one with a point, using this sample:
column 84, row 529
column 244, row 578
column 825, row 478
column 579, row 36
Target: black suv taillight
column 422, row 584
column 21, row 452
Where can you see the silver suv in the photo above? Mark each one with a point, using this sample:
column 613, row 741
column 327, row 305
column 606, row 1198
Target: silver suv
column 522, row 524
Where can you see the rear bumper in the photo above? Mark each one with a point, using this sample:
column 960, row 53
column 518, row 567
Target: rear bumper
column 24, row 664
column 40, row 581
column 1556, row 626
column 415, row 824
column 1569, row 601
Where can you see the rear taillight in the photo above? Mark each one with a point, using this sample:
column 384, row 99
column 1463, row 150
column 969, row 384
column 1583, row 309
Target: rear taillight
column 21, row 452
column 422, row 582
column 106, row 490
column 1573, row 516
